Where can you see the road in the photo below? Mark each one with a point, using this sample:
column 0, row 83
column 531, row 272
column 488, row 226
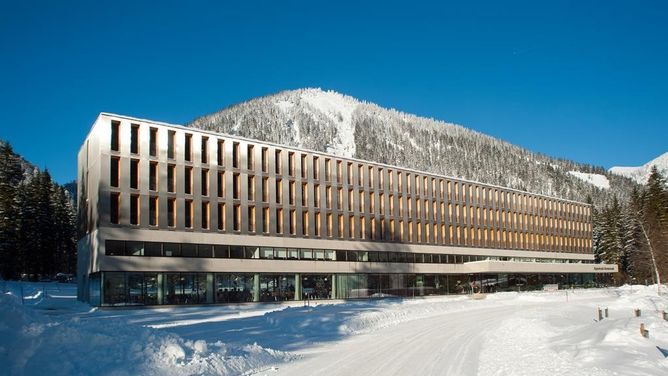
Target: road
column 446, row 344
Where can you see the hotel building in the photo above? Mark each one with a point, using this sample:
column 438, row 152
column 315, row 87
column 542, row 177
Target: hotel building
column 176, row 215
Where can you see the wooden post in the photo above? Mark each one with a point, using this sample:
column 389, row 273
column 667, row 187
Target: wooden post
column 637, row 312
column 644, row 332
column 600, row 314
column 663, row 315
column 606, row 312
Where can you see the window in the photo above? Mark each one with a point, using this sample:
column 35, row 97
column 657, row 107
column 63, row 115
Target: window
column 153, row 142
column 171, row 212
column 220, row 153
column 134, row 139
column 316, row 168
column 349, row 172
column 265, row 160
column 205, row 150
column 251, row 188
column 304, row 166
column 265, row 189
column 114, row 207
column 205, row 182
column 362, row 228
column 221, row 183
column 235, row 155
column 134, row 173
column 361, row 201
column 236, row 220
column 360, row 175
column 134, row 209
column 351, row 227
column 328, row 197
column 329, row 225
column 371, row 180
column 236, row 186
column 153, row 211
column 305, row 224
column 291, row 164
column 372, row 202
column 115, row 135
column 189, row 148
column 304, row 194
column 293, row 222
column 221, row 216
column 350, row 200
column 171, row 136
column 339, row 198
column 277, row 162
column 328, row 169
column 265, row 220
column 340, row 228
column 339, row 171
column 279, row 221
column 400, row 183
column 251, row 219
column 250, row 155
column 188, row 180
column 316, row 195
column 114, row 171
column 153, row 176
column 291, row 192
column 189, row 214
column 316, row 226
column 279, row 191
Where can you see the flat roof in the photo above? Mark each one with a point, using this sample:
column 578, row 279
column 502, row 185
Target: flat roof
column 182, row 127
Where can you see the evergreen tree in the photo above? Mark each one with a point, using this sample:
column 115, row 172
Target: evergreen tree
column 11, row 174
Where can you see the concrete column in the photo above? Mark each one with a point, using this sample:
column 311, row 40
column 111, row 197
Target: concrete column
column 209, row 288
column 333, row 286
column 256, row 288
column 298, row 287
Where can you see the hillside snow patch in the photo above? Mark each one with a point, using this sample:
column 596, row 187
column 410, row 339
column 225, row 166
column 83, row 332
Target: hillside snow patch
column 597, row 180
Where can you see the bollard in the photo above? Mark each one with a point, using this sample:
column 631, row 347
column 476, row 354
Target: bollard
column 663, row 315
column 606, row 312
column 644, row 332
column 600, row 314
column 636, row 312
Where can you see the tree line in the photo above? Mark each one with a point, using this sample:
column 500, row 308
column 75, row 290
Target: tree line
column 37, row 221
column 634, row 234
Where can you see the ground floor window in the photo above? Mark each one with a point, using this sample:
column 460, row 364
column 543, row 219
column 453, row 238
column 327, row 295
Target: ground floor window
column 153, row 288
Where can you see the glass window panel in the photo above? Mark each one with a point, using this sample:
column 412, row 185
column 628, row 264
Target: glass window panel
column 114, row 248
column 153, row 249
column 188, row 250
column 221, row 251
column 204, row 250
column 134, row 248
column 171, row 249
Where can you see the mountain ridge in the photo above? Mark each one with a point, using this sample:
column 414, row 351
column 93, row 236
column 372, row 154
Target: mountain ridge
column 640, row 174
column 328, row 121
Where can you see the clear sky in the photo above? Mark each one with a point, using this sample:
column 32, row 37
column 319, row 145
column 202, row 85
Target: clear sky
column 583, row 80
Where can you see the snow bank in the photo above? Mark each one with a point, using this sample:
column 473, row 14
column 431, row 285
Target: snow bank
column 597, row 180
column 32, row 344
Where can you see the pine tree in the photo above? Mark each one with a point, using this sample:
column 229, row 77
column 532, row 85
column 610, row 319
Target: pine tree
column 11, row 174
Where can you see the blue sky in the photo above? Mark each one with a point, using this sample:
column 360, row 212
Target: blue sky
column 580, row 80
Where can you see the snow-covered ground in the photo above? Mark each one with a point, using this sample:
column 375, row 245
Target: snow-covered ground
column 597, row 180
column 537, row 333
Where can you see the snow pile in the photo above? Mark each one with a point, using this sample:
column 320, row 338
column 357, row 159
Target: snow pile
column 641, row 173
column 597, row 180
column 32, row 344
column 569, row 341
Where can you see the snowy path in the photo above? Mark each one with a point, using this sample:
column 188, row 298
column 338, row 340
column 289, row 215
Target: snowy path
column 444, row 344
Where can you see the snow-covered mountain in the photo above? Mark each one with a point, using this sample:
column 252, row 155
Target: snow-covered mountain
column 641, row 173
column 331, row 122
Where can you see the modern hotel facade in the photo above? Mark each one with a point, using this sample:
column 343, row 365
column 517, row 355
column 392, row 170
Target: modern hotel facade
column 175, row 215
